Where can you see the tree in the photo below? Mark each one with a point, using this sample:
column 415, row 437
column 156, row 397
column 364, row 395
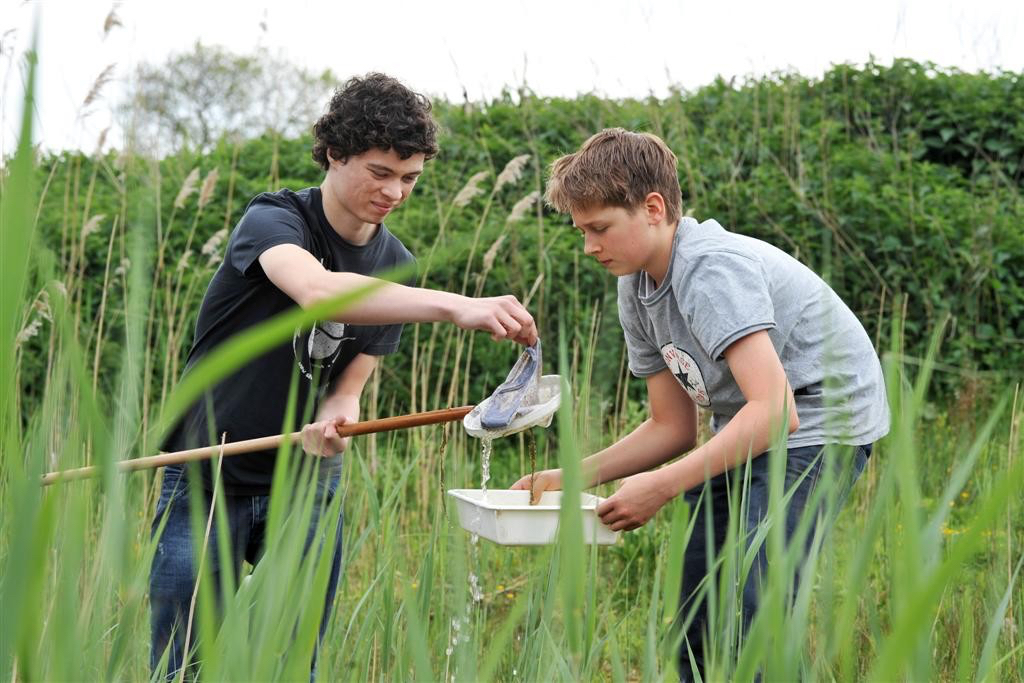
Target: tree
column 195, row 98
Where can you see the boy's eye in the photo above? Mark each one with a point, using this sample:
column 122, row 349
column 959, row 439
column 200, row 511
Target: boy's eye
column 379, row 174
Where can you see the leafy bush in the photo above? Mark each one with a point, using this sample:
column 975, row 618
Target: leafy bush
column 901, row 185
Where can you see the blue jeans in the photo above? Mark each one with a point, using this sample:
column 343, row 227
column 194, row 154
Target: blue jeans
column 172, row 577
column 848, row 463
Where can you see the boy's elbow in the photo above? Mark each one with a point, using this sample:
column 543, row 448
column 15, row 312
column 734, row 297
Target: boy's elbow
column 794, row 420
column 685, row 436
column 312, row 290
column 305, row 297
column 677, row 436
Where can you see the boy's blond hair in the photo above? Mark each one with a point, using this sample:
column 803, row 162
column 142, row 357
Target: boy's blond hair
column 616, row 167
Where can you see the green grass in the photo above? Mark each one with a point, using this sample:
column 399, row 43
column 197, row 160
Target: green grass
column 919, row 580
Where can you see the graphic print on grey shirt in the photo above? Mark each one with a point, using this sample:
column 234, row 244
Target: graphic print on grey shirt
column 721, row 287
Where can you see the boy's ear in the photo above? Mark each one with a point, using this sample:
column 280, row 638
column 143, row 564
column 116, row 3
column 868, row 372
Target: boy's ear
column 335, row 155
column 654, row 206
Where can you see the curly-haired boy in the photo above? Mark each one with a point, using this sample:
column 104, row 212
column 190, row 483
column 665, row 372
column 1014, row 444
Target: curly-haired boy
column 302, row 248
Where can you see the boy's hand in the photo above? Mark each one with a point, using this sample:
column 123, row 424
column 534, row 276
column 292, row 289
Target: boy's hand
column 503, row 316
column 546, row 480
column 636, row 501
column 321, row 438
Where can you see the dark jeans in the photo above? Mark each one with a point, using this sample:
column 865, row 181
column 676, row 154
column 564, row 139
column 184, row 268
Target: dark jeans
column 847, row 463
column 172, row 576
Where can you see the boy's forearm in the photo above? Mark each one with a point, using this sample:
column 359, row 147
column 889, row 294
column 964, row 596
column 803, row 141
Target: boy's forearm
column 749, row 434
column 339, row 404
column 302, row 278
column 649, row 445
column 344, row 398
column 387, row 303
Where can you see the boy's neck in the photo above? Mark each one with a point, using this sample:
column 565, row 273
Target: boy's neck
column 661, row 253
column 345, row 223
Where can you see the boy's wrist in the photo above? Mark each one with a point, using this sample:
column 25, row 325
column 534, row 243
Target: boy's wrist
column 677, row 476
column 339, row 405
column 589, row 470
column 447, row 305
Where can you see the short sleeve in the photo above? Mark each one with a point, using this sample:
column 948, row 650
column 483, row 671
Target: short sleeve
column 725, row 297
column 386, row 342
column 263, row 226
column 644, row 357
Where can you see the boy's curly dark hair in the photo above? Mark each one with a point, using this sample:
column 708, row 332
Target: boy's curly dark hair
column 374, row 111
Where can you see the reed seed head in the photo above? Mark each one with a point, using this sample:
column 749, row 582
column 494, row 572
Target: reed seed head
column 29, row 331
column 522, row 206
column 97, row 86
column 492, row 253
column 512, row 172
column 92, row 225
column 187, row 188
column 209, row 183
column 470, row 190
column 112, row 20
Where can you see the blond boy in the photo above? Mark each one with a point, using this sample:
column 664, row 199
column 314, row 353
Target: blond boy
column 722, row 321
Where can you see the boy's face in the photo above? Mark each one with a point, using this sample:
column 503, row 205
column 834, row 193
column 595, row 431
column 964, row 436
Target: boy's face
column 621, row 240
column 373, row 184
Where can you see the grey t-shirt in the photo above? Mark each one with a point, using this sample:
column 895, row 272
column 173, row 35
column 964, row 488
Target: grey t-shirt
column 720, row 287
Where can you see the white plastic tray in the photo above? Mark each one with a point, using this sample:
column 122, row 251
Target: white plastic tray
column 507, row 518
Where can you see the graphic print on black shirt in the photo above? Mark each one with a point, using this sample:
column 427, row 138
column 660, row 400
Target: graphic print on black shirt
column 252, row 402
column 317, row 349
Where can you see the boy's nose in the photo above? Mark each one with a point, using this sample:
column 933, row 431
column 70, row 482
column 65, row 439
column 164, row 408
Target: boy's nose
column 392, row 191
column 590, row 246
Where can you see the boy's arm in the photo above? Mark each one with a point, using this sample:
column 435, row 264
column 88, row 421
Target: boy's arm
column 758, row 371
column 670, row 430
column 340, row 407
column 297, row 273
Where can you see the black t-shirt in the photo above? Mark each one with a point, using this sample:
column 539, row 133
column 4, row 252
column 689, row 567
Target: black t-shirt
column 252, row 402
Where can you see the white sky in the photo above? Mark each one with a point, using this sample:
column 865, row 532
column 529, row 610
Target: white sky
column 557, row 47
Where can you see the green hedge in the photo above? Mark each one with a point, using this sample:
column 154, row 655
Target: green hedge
column 901, row 184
